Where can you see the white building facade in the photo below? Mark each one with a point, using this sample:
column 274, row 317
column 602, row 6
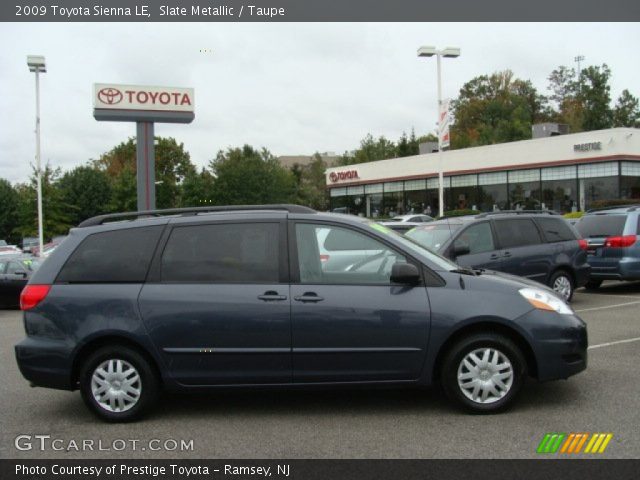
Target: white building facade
column 564, row 173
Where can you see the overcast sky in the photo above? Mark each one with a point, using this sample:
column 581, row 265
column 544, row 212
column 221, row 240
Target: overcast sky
column 294, row 88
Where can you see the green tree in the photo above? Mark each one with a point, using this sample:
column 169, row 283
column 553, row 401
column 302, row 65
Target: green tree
column 249, row 176
column 86, row 191
column 627, row 111
column 55, row 211
column 496, row 108
column 124, row 192
column 311, row 184
column 197, row 189
column 8, row 211
column 173, row 164
column 370, row 149
column 595, row 94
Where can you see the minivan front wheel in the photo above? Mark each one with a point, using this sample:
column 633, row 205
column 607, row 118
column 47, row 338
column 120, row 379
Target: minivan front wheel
column 562, row 283
column 118, row 384
column 483, row 372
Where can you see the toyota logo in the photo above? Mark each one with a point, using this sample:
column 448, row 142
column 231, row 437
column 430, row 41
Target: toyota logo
column 110, row 96
column 333, row 176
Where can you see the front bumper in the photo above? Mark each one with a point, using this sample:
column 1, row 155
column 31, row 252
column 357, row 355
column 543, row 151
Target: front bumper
column 559, row 343
column 45, row 362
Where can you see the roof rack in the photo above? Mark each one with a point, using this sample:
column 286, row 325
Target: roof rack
column 100, row 219
column 518, row 212
column 630, row 207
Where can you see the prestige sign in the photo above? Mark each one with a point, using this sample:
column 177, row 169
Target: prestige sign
column 142, row 97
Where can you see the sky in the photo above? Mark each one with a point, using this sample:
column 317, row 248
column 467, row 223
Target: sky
column 294, row 88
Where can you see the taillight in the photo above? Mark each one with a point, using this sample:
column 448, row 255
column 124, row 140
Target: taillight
column 32, row 295
column 324, row 258
column 620, row 242
column 584, row 245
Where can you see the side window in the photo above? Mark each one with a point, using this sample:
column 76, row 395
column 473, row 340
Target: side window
column 3, row 267
column 477, row 237
column 223, row 253
column 339, row 256
column 118, row 256
column 556, row 229
column 517, row 232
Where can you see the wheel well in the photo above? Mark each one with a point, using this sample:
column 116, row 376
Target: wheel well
column 109, row 340
column 563, row 268
column 488, row 327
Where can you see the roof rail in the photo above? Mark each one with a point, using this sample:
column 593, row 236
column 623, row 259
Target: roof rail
column 518, row 212
column 100, row 219
column 631, row 208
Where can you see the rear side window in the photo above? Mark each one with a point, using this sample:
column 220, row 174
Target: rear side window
column 556, row 229
column 517, row 232
column 601, row 225
column 477, row 237
column 118, row 256
column 223, row 253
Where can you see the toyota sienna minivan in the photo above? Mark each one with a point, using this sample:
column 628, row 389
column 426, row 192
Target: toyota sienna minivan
column 234, row 297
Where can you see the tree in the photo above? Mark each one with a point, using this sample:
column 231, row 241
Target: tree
column 55, row 211
column 595, row 94
column 248, row 176
column 124, row 192
column 9, row 210
column 173, row 164
column 197, row 189
column 86, row 191
column 627, row 111
column 311, row 184
column 496, row 108
column 370, row 149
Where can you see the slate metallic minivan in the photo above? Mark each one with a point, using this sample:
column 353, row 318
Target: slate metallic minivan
column 227, row 297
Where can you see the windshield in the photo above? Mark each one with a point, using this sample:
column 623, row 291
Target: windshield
column 441, row 262
column 432, row 236
column 601, row 225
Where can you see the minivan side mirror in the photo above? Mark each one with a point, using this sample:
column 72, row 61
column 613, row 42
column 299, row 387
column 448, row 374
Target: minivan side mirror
column 459, row 250
column 405, row 273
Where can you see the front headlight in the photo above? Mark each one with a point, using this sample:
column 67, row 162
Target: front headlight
column 543, row 300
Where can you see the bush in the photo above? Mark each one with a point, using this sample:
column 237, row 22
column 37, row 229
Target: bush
column 612, row 203
column 573, row 215
column 460, row 213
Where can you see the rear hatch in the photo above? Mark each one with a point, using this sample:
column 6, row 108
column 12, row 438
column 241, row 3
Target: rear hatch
column 606, row 242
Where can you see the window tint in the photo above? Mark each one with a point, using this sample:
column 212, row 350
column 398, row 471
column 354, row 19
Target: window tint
column 601, row 225
column 119, row 256
column 517, row 232
column 433, row 236
column 477, row 237
column 365, row 261
column 223, row 253
column 3, row 267
column 15, row 267
column 556, row 229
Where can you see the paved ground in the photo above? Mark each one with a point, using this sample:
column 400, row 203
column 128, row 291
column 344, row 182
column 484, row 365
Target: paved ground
column 348, row 424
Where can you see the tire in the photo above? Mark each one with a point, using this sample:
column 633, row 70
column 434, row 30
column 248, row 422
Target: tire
column 593, row 284
column 562, row 283
column 119, row 372
column 458, row 359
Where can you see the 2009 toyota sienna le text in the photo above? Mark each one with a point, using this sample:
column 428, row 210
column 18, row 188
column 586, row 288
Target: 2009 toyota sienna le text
column 193, row 299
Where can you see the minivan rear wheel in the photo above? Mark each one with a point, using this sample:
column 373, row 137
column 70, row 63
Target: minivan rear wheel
column 118, row 384
column 483, row 373
column 562, row 283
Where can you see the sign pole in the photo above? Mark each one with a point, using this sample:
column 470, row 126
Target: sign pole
column 145, row 162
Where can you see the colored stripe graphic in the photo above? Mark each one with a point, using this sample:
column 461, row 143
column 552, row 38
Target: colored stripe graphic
column 573, row 443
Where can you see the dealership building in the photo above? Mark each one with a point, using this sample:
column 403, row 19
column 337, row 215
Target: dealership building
column 564, row 173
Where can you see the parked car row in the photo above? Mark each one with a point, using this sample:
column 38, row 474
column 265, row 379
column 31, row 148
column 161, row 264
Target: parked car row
column 15, row 272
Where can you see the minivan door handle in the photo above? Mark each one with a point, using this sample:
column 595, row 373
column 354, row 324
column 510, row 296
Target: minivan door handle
column 272, row 296
column 494, row 256
column 308, row 297
column 506, row 254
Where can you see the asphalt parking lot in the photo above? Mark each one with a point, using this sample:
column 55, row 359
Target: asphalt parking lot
column 346, row 423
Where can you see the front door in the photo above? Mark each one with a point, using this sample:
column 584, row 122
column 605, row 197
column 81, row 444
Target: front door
column 483, row 253
column 353, row 324
column 219, row 311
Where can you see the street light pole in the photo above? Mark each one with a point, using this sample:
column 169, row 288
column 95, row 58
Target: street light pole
column 36, row 64
column 449, row 52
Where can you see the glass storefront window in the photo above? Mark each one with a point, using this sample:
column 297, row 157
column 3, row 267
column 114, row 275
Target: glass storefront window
column 630, row 188
column 373, row 205
column 392, row 204
column 560, row 195
column 415, row 201
column 597, row 189
column 493, row 197
column 525, row 196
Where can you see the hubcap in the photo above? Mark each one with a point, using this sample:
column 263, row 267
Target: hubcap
column 485, row 375
column 562, row 285
column 116, row 385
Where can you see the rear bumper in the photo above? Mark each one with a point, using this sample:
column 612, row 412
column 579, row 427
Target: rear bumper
column 45, row 362
column 559, row 344
column 626, row 268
